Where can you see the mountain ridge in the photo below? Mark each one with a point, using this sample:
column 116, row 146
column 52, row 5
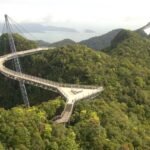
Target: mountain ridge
column 63, row 42
column 102, row 41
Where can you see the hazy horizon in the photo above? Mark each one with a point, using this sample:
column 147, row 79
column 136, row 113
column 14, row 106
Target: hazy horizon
column 80, row 15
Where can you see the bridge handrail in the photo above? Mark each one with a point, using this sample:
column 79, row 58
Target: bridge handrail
column 47, row 81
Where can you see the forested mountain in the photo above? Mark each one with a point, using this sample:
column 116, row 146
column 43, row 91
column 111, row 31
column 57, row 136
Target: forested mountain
column 104, row 41
column 101, row 42
column 62, row 43
column 118, row 118
column 42, row 43
column 98, row 43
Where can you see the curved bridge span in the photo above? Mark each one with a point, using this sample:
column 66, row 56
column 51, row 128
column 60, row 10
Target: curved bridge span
column 71, row 92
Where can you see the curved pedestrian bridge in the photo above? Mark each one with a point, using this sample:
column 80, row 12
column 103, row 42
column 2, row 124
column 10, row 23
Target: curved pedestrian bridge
column 71, row 92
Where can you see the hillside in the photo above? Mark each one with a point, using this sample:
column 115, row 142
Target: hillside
column 118, row 118
column 101, row 42
column 62, row 43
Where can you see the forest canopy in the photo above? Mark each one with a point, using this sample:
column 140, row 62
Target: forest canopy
column 118, row 118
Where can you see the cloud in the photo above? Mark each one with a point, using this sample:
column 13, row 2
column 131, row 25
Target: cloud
column 89, row 31
column 78, row 13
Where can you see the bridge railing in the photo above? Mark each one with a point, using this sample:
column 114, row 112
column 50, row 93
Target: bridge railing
column 44, row 81
column 49, row 81
column 25, row 76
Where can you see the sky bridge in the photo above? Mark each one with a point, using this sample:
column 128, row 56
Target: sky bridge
column 71, row 92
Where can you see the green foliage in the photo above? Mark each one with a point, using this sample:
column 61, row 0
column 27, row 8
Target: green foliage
column 118, row 118
column 62, row 43
column 72, row 64
column 28, row 128
column 121, row 36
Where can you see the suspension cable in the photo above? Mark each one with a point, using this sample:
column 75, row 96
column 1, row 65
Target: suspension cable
column 22, row 29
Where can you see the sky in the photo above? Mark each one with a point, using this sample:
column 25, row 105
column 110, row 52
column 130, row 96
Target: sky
column 98, row 15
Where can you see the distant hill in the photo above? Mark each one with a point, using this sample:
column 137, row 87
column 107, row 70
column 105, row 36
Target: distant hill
column 104, row 41
column 62, row 43
column 89, row 31
column 101, row 42
column 121, row 36
column 42, row 43
column 131, row 45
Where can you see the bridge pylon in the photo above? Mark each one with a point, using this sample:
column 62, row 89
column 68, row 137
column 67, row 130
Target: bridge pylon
column 16, row 61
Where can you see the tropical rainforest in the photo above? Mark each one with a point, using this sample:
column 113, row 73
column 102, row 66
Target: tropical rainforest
column 117, row 119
